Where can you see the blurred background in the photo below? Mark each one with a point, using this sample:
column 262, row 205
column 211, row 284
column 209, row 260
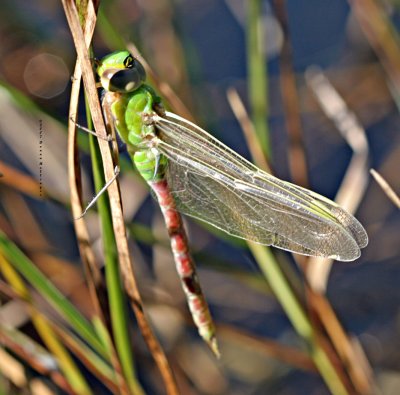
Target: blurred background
column 343, row 57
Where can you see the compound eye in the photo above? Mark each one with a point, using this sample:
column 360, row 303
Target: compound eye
column 126, row 80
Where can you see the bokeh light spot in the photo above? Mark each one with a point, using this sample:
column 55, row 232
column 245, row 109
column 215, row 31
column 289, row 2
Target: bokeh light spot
column 46, row 75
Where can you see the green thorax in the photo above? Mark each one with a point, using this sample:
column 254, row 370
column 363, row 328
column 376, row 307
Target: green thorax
column 128, row 110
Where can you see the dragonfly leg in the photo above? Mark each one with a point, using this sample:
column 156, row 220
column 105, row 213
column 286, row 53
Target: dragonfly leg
column 87, row 130
column 157, row 158
column 185, row 265
column 102, row 190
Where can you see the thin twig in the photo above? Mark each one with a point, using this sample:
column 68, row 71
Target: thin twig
column 115, row 201
column 247, row 127
column 355, row 181
column 290, row 100
column 286, row 354
column 94, row 276
column 21, row 182
column 7, row 290
column 360, row 374
column 35, row 361
column 349, row 196
column 390, row 193
column 383, row 38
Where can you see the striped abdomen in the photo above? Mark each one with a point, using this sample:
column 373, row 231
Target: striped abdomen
column 185, row 264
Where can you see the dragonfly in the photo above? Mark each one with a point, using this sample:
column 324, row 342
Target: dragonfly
column 191, row 172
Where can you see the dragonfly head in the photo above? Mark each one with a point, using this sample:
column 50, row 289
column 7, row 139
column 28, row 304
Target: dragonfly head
column 120, row 72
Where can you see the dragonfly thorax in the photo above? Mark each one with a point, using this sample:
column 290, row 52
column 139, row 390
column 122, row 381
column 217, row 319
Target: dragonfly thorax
column 149, row 118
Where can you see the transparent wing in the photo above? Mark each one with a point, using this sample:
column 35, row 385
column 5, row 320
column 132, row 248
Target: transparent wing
column 214, row 184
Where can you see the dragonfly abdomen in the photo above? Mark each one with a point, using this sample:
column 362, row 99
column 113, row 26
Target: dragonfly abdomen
column 185, row 265
column 150, row 164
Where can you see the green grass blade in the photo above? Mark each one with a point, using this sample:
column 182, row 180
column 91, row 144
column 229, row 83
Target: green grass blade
column 39, row 281
column 266, row 261
column 108, row 32
column 91, row 359
column 116, row 295
column 257, row 76
column 297, row 316
column 44, row 329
